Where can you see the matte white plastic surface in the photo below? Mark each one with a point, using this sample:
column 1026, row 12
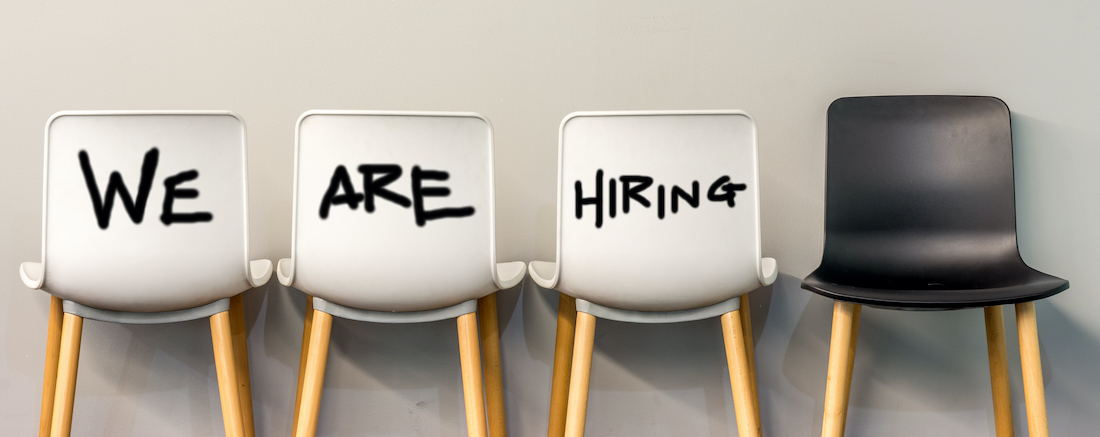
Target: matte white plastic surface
column 163, row 258
column 638, row 260
column 386, row 259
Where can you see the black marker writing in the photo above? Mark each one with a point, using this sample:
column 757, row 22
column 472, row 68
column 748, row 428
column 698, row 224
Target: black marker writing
column 103, row 206
column 678, row 193
column 634, row 192
column 598, row 200
column 376, row 187
column 376, row 180
column 340, row 179
column 633, row 188
column 729, row 191
column 171, row 193
column 420, row 192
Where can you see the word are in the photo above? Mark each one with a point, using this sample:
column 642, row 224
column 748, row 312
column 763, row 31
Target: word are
column 136, row 207
column 342, row 192
column 633, row 186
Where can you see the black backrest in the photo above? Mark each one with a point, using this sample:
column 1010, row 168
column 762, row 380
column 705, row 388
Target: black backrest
column 919, row 192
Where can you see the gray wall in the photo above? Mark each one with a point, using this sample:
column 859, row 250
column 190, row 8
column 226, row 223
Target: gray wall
column 525, row 65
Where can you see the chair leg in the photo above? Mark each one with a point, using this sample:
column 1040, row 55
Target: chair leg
column 563, row 358
column 49, row 376
column 68, row 358
column 579, row 375
column 490, row 359
column 750, row 353
column 1033, row 369
column 221, row 335
column 306, row 329
column 856, row 311
column 317, row 357
column 740, row 374
column 240, row 357
column 998, row 370
column 841, row 351
column 469, row 356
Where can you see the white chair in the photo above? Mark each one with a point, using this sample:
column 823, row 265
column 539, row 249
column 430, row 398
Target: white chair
column 145, row 220
column 658, row 222
column 394, row 223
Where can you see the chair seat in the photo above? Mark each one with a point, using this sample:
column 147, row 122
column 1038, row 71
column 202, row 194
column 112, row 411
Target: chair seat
column 1029, row 286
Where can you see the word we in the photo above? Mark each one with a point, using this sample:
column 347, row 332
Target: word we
column 634, row 185
column 387, row 173
column 136, row 207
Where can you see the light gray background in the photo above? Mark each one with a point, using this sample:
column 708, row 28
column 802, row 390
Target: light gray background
column 526, row 65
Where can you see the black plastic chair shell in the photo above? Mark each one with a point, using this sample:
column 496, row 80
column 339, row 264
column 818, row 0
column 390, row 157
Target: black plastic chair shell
column 920, row 209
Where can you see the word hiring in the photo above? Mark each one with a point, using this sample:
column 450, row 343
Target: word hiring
column 136, row 207
column 342, row 192
column 721, row 190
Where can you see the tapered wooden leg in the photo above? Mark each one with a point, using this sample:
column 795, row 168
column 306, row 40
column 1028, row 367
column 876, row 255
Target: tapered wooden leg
column 1028, row 331
column 563, row 358
column 67, row 361
column 317, row 357
column 240, row 358
column 856, row 311
column 490, row 360
column 750, row 353
column 49, row 376
column 306, row 329
column 748, row 424
column 470, row 357
column 839, row 382
column 998, row 370
column 221, row 333
column 579, row 375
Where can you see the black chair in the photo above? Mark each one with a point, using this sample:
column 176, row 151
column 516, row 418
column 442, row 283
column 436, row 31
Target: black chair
column 920, row 214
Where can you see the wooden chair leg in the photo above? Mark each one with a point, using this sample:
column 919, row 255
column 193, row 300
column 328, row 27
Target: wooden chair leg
column 317, row 357
column 470, row 357
column 490, row 360
column 221, row 335
column 563, row 358
column 579, row 375
column 240, row 358
column 68, row 358
column 748, row 424
column 856, row 311
column 1028, row 331
column 998, row 370
column 49, row 376
column 750, row 353
column 306, row 329
column 839, row 382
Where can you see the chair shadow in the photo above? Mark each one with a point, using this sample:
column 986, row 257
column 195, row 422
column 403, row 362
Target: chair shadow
column 682, row 363
column 936, row 361
column 377, row 371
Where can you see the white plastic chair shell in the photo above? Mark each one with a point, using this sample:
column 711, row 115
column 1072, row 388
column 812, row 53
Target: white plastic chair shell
column 146, row 267
column 638, row 261
column 384, row 260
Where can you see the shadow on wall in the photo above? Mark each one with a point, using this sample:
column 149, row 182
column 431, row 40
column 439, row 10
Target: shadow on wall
column 662, row 373
column 936, row 361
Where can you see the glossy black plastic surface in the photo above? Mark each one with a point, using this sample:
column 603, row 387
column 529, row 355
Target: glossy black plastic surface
column 920, row 208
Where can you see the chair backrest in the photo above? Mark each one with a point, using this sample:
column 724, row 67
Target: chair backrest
column 658, row 211
column 393, row 211
column 145, row 211
column 919, row 192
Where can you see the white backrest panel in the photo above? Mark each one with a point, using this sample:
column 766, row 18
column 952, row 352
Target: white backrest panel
column 427, row 240
column 652, row 258
column 175, row 236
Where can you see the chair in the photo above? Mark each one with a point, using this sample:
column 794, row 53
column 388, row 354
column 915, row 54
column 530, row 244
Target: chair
column 104, row 258
column 421, row 248
column 920, row 214
column 685, row 244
